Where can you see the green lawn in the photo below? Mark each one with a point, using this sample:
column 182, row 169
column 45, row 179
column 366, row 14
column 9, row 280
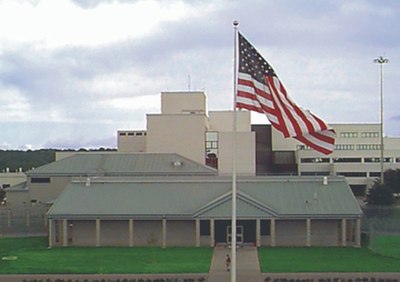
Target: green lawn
column 325, row 260
column 34, row 257
column 387, row 246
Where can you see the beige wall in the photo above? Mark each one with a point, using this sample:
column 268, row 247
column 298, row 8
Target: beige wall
column 222, row 121
column 245, row 153
column 325, row 232
column 181, row 233
column 183, row 102
column 11, row 178
column 290, row 232
column 114, row 233
column 181, row 134
column 132, row 141
column 147, row 233
column 83, row 232
column 45, row 192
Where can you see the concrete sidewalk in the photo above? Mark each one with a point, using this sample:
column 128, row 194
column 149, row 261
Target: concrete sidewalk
column 247, row 266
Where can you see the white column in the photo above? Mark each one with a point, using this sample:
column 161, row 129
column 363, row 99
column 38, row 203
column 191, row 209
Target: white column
column 98, row 232
column 258, row 233
column 50, row 226
column 344, row 232
column 308, row 232
column 358, row 232
column 272, row 232
column 164, row 232
column 197, row 232
column 212, row 237
column 130, row 223
column 65, row 232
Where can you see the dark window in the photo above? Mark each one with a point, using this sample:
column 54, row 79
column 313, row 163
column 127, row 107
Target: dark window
column 314, row 160
column 265, row 227
column 40, row 180
column 131, row 134
column 347, row 160
column 139, row 134
column 374, row 174
column 122, row 134
column 6, row 186
column 315, row 173
column 204, row 228
column 358, row 190
column 353, row 174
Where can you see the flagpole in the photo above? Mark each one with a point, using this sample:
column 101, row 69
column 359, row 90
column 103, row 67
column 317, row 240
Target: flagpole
column 233, row 224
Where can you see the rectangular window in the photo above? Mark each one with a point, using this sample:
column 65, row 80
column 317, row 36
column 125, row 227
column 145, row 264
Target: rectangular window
column 370, row 134
column 347, row 160
column 205, row 228
column 40, row 180
column 348, row 134
column 344, row 147
column 368, row 147
column 314, row 173
column 211, row 149
column 265, row 227
column 374, row 174
column 122, row 134
column 131, row 134
column 314, row 160
column 353, row 174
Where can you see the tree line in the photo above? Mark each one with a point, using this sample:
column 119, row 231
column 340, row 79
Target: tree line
column 16, row 160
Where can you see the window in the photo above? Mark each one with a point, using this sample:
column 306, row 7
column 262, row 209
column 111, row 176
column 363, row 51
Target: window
column 131, row 134
column 378, row 160
column 122, row 134
column 265, row 227
column 347, row 160
column 314, row 173
column 211, row 148
column 368, row 146
column 353, row 174
column 374, row 174
column 398, row 160
column 5, row 186
column 314, row 160
column 40, row 180
column 205, row 228
column 370, row 134
column 342, row 147
column 348, row 134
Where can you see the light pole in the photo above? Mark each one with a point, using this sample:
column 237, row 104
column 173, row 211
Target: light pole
column 381, row 60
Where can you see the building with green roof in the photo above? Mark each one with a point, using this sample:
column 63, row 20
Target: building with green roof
column 196, row 211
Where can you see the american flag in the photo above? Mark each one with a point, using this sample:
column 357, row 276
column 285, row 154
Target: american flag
column 259, row 89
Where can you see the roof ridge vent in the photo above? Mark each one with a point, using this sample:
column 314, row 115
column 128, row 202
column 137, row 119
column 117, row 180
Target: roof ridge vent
column 325, row 180
column 87, row 183
column 177, row 163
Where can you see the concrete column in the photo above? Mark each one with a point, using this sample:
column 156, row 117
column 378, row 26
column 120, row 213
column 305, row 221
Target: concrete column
column 212, row 236
column 50, row 233
column 344, row 232
column 258, row 233
column 98, row 232
column 358, row 232
column 65, row 232
column 272, row 232
column 130, row 223
column 164, row 232
column 308, row 232
column 197, row 232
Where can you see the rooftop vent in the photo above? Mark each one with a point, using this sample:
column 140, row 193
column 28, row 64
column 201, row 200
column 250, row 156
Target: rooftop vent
column 177, row 163
column 87, row 184
column 325, row 180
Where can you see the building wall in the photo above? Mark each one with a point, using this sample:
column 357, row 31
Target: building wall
column 183, row 102
column 325, row 232
column 245, row 153
column 47, row 192
column 147, row 233
column 131, row 141
column 181, row 134
column 83, row 233
column 114, row 233
column 8, row 179
column 181, row 233
column 290, row 232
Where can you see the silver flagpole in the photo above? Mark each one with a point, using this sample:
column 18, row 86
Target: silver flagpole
column 233, row 225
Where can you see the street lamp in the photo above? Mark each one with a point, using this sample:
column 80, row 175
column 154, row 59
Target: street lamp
column 381, row 60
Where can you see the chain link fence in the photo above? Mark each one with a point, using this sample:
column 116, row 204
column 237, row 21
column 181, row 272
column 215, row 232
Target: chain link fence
column 24, row 221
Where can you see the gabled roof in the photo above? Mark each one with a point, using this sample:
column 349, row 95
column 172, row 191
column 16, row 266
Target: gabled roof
column 122, row 164
column 207, row 197
column 20, row 187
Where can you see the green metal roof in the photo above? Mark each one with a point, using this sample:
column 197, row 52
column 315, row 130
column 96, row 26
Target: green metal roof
column 122, row 164
column 207, row 197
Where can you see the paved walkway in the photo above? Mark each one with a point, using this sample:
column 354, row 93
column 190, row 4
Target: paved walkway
column 247, row 266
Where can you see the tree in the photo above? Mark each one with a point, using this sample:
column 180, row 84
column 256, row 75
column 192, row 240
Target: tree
column 380, row 195
column 392, row 179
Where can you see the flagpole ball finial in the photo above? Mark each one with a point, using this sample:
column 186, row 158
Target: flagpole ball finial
column 235, row 23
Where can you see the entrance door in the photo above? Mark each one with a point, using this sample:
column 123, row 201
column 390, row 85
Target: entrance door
column 239, row 234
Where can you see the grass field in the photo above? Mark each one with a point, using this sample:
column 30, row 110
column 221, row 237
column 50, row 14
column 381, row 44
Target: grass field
column 387, row 246
column 34, row 257
column 325, row 260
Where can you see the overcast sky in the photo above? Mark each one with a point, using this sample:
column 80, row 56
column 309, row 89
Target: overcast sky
column 73, row 72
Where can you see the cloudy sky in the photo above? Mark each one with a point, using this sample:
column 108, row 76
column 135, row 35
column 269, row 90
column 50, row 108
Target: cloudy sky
column 73, row 72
